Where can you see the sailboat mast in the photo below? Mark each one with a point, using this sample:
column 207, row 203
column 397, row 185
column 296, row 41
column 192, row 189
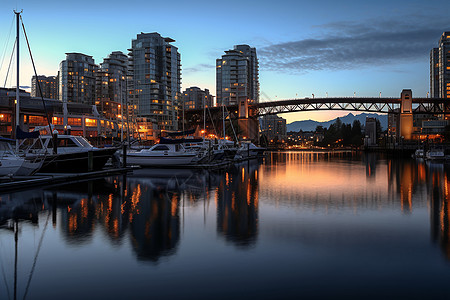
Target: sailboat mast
column 18, row 79
column 121, row 109
column 204, row 119
column 223, row 119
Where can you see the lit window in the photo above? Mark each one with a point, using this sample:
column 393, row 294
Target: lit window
column 90, row 122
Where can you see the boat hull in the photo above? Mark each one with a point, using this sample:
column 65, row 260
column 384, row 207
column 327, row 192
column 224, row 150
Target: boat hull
column 77, row 162
column 146, row 160
column 10, row 165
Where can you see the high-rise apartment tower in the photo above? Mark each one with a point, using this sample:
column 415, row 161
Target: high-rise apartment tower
column 237, row 77
column 155, row 79
column 440, row 68
column 111, row 86
column 49, row 86
column 77, row 79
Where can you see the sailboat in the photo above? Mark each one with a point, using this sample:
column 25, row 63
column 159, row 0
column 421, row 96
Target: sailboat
column 11, row 164
column 53, row 153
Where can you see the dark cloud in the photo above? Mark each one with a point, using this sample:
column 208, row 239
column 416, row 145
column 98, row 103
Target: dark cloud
column 198, row 68
column 347, row 45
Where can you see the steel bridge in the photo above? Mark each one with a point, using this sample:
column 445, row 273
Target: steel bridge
column 375, row 105
column 362, row 104
column 405, row 107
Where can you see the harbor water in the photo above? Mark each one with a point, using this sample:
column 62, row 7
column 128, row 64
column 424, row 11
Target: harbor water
column 294, row 225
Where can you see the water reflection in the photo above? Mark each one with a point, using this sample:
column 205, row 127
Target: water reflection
column 145, row 209
column 439, row 196
column 237, row 205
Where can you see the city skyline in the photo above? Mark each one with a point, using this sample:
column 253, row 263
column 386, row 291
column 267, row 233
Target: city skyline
column 303, row 48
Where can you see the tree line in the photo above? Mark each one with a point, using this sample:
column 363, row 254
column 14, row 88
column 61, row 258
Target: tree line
column 344, row 134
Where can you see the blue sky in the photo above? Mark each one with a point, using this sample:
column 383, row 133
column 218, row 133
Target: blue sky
column 304, row 47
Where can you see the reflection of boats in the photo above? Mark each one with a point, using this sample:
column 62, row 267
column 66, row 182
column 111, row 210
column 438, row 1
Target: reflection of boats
column 72, row 154
column 172, row 179
column 162, row 155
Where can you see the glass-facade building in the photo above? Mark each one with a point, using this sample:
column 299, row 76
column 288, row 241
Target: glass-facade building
column 237, row 76
column 440, row 68
column 111, row 86
column 48, row 84
column 196, row 98
column 77, row 79
column 273, row 127
column 155, row 79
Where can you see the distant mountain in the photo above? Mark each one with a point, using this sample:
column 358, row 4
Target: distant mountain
column 310, row 125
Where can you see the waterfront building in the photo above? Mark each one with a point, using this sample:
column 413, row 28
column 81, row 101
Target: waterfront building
column 237, row 76
column 83, row 119
column 111, row 89
column 154, row 85
column 370, row 132
column 440, row 68
column 434, row 73
column 273, row 127
column 48, row 84
column 196, row 98
column 77, row 79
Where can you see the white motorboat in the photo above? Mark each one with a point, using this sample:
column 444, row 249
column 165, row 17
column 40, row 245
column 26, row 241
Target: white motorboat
column 162, row 155
column 419, row 153
column 250, row 150
column 435, row 154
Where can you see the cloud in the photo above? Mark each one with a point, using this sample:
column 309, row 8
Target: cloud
column 198, row 68
column 350, row 45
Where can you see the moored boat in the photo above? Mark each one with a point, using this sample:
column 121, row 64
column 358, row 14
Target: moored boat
column 419, row 153
column 435, row 154
column 11, row 164
column 162, row 155
column 72, row 154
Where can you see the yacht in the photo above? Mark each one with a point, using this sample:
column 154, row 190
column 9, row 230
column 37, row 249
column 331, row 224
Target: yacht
column 162, row 155
column 72, row 154
column 250, row 150
column 435, row 154
column 419, row 153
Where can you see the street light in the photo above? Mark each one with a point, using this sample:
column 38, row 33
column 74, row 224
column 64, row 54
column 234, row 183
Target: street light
column 354, row 94
column 380, row 94
column 326, row 94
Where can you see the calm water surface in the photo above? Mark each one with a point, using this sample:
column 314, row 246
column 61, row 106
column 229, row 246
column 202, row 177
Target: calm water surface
column 297, row 225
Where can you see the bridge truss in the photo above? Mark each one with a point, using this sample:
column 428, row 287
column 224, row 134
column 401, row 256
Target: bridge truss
column 375, row 105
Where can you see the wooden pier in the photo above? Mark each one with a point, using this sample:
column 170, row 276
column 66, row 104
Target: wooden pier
column 42, row 179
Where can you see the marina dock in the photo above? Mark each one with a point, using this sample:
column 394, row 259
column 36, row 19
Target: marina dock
column 45, row 179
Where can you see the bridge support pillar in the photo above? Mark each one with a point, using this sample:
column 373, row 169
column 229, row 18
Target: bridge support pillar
column 243, row 108
column 406, row 115
column 249, row 128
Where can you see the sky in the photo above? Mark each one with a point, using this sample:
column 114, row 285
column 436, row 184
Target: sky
column 317, row 47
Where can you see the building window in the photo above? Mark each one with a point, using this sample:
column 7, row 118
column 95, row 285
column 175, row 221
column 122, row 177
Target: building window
column 90, row 122
column 74, row 121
